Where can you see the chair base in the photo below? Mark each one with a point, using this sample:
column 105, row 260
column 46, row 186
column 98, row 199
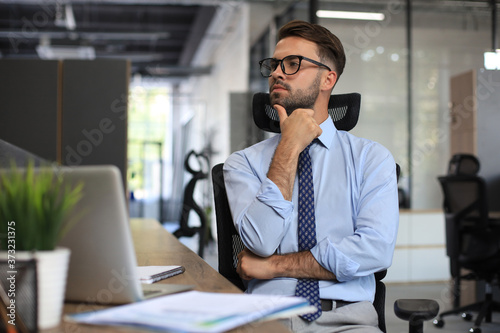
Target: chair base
column 484, row 308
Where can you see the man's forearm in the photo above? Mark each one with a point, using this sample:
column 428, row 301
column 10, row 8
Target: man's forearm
column 283, row 169
column 294, row 265
column 300, row 265
column 297, row 131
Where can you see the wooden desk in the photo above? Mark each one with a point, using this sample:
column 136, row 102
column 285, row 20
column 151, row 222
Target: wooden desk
column 156, row 246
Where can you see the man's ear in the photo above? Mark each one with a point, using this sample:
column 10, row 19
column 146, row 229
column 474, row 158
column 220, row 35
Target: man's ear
column 330, row 80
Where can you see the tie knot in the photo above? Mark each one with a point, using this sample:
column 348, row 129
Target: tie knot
column 304, row 156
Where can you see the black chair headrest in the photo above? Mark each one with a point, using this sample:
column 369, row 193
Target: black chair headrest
column 343, row 109
column 463, row 164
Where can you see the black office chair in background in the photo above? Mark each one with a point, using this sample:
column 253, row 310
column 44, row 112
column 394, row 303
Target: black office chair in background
column 460, row 164
column 344, row 110
column 189, row 204
column 472, row 237
column 463, row 164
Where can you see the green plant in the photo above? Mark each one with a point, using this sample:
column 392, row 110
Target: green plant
column 34, row 203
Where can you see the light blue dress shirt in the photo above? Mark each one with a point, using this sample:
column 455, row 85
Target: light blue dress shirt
column 356, row 205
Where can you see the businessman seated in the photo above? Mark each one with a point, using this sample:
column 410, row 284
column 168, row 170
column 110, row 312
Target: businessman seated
column 316, row 208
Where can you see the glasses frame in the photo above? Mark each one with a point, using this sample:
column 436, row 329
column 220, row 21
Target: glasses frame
column 280, row 62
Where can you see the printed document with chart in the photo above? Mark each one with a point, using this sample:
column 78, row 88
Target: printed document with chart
column 196, row 311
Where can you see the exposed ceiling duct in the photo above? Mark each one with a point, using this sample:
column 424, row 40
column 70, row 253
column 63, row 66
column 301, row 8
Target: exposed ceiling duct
column 152, row 34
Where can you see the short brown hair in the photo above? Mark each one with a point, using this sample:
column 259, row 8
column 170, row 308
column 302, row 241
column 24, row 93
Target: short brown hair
column 329, row 46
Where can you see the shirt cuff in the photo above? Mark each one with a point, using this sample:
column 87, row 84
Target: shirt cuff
column 270, row 195
column 328, row 256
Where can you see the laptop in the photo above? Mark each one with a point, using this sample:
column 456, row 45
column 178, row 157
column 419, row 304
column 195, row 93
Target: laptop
column 103, row 265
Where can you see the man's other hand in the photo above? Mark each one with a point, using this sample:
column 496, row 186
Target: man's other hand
column 251, row 266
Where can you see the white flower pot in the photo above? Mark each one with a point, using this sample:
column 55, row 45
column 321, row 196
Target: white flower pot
column 52, row 269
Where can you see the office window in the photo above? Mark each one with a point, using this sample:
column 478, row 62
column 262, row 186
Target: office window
column 376, row 67
column 149, row 149
column 447, row 39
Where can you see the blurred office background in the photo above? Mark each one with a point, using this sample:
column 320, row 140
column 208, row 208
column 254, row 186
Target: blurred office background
column 163, row 88
column 191, row 67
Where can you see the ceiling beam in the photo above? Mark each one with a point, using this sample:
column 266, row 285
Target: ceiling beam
column 202, row 21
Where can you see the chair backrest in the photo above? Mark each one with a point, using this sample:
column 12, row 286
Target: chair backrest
column 342, row 108
column 464, row 196
column 229, row 243
column 463, row 164
column 466, row 217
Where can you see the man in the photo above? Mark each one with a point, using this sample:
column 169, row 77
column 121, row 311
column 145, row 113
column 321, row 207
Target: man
column 354, row 184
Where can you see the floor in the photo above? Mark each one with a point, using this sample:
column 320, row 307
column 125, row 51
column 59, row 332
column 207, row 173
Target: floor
column 436, row 291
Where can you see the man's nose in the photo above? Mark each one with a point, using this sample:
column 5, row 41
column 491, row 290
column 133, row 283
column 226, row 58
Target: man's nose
column 278, row 72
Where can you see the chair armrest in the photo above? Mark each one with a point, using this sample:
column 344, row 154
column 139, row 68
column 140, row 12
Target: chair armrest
column 416, row 311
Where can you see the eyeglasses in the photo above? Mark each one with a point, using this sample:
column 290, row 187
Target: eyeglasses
column 289, row 65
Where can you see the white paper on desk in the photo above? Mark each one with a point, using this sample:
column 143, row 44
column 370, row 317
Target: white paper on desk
column 196, row 311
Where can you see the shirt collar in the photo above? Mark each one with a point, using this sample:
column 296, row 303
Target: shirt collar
column 329, row 131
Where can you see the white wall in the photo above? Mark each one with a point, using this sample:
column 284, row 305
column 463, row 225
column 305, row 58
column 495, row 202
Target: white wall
column 228, row 52
column 420, row 254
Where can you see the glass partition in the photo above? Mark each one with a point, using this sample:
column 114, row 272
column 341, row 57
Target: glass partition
column 447, row 39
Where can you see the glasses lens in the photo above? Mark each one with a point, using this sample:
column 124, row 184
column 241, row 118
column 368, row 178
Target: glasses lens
column 291, row 64
column 267, row 66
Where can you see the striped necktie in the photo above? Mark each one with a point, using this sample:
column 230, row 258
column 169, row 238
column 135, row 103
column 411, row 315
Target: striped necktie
column 307, row 288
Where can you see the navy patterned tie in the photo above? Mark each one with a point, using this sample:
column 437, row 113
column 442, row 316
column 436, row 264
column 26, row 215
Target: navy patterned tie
column 307, row 288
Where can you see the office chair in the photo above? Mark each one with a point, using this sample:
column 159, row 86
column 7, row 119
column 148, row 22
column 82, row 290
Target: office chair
column 460, row 164
column 472, row 237
column 344, row 110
